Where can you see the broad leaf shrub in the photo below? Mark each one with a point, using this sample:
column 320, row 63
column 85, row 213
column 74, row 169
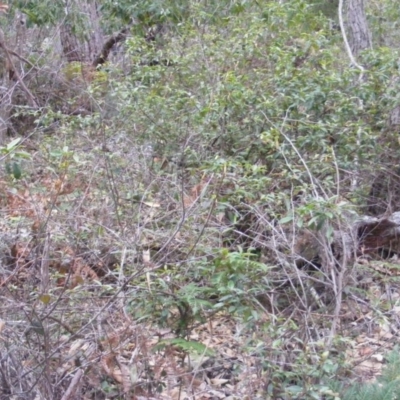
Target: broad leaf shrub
column 213, row 152
column 266, row 111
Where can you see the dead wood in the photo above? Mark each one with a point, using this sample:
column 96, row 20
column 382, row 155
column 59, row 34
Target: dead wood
column 108, row 45
column 366, row 236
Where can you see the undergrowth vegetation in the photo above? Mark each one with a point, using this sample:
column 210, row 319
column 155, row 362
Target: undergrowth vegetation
column 171, row 219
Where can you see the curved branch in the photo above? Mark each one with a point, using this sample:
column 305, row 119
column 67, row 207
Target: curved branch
column 108, row 45
column 23, row 59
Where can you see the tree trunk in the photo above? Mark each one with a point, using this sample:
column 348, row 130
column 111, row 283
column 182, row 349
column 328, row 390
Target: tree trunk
column 359, row 35
column 86, row 46
column 70, row 44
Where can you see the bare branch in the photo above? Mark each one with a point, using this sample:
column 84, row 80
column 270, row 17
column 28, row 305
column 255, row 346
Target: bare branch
column 3, row 45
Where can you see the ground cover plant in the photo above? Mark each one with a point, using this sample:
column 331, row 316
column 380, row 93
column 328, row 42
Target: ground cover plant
column 199, row 200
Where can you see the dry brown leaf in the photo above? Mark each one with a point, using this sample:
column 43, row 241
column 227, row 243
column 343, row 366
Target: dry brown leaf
column 177, row 394
column 369, row 368
column 117, row 374
column 365, row 351
column 58, row 185
column 2, row 325
column 68, row 188
column 219, row 381
column 188, row 201
column 124, row 375
column 107, row 362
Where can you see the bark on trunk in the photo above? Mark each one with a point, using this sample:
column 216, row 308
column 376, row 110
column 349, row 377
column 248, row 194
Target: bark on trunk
column 359, row 35
column 86, row 47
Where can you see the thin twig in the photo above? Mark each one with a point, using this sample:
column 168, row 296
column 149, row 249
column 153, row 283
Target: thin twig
column 73, row 386
column 3, row 45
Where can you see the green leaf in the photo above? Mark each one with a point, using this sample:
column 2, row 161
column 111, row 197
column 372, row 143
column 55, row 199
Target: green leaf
column 23, row 154
column 45, row 298
column 12, row 144
column 185, row 345
column 286, row 219
column 16, row 170
column 8, row 168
